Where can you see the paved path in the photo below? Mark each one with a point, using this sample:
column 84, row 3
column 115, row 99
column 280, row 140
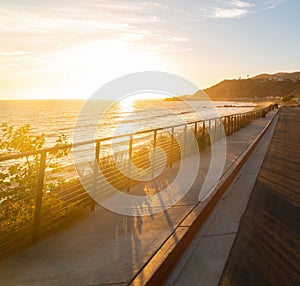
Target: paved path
column 267, row 247
column 107, row 248
column 203, row 262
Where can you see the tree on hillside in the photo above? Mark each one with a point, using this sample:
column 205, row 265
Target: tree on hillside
column 288, row 98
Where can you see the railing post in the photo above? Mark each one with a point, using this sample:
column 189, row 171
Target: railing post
column 129, row 161
column 171, row 149
column 95, row 179
column 153, row 153
column 195, row 131
column 203, row 132
column 221, row 123
column 39, row 197
column 227, row 126
column 215, row 130
column 184, row 141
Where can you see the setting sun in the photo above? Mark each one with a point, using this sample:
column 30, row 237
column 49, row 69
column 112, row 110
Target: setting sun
column 144, row 96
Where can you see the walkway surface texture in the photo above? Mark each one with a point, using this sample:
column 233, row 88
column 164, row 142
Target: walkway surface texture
column 266, row 241
column 267, row 247
column 111, row 249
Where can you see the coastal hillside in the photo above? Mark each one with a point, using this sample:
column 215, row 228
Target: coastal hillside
column 259, row 87
column 281, row 75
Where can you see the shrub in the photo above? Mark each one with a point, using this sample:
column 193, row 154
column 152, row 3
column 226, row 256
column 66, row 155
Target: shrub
column 18, row 187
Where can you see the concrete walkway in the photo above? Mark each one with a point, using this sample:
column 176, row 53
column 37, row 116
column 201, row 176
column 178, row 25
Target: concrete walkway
column 203, row 262
column 110, row 249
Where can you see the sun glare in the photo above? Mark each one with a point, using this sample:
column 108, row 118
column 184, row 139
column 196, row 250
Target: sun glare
column 88, row 67
column 77, row 72
column 144, row 96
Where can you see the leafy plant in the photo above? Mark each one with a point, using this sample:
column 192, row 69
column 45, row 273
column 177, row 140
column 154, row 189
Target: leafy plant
column 19, row 181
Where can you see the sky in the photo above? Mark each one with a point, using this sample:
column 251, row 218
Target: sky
column 69, row 48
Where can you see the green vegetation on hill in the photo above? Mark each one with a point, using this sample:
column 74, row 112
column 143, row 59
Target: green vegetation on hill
column 253, row 88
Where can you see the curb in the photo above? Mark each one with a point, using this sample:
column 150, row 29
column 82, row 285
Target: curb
column 158, row 268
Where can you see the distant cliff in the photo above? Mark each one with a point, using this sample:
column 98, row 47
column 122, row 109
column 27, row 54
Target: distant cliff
column 260, row 86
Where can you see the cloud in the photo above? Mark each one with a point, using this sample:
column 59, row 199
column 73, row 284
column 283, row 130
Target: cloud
column 131, row 21
column 229, row 13
column 268, row 5
column 241, row 4
column 13, row 54
column 225, row 9
column 232, row 9
column 178, row 39
column 44, row 29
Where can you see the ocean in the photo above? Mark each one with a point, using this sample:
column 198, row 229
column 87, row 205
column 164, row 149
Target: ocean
column 55, row 117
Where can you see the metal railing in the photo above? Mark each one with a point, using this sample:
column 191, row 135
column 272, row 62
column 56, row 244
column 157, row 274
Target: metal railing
column 51, row 199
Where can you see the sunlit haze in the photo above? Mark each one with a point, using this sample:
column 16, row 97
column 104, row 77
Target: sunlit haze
column 68, row 49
